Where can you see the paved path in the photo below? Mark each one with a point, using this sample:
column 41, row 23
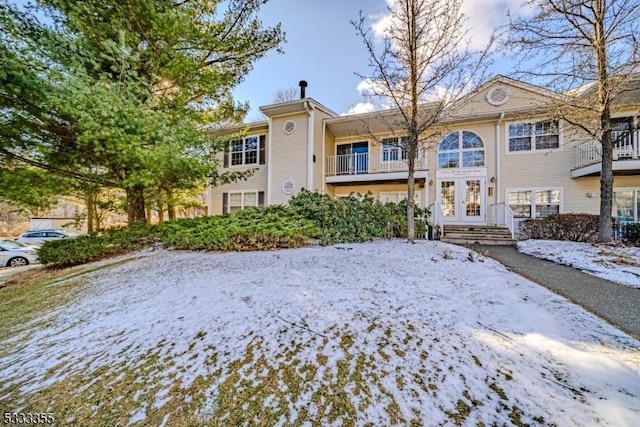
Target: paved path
column 615, row 303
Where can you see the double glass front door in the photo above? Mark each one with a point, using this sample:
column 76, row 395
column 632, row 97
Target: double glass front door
column 462, row 199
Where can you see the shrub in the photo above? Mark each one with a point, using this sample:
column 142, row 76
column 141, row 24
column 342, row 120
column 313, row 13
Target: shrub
column 631, row 234
column 574, row 227
column 353, row 219
column 309, row 215
column 91, row 247
column 252, row 229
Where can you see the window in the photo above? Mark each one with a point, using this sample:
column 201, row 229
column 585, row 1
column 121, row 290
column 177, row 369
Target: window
column 245, row 151
column 394, row 149
column 397, row 197
column 461, row 149
column 239, row 200
column 534, row 203
column 626, row 205
column 543, row 135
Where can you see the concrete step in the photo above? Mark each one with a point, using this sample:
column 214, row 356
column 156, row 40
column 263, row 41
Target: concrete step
column 479, row 241
column 481, row 234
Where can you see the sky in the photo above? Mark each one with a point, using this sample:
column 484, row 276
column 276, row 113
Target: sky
column 322, row 48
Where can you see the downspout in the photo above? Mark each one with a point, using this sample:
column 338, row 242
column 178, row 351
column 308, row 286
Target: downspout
column 498, row 148
column 310, row 129
column 269, row 163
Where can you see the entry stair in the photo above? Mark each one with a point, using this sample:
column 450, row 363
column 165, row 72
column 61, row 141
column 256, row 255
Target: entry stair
column 478, row 234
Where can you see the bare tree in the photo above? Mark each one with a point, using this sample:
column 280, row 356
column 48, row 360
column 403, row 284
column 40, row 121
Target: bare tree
column 589, row 51
column 285, row 95
column 422, row 65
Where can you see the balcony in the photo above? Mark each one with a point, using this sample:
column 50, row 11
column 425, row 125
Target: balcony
column 626, row 156
column 368, row 167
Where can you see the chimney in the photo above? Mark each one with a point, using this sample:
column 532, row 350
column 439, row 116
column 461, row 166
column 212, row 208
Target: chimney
column 303, row 87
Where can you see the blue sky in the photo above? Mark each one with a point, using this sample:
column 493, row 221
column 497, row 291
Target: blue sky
column 323, row 49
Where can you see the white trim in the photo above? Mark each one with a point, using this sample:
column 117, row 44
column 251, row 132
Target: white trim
column 242, row 205
column 491, row 91
column 324, row 166
column 596, row 168
column 284, row 127
column 498, row 164
column 374, row 177
column 243, row 164
column 310, row 129
column 459, row 201
column 462, row 150
column 533, row 190
column 533, row 142
column 634, row 200
column 269, row 164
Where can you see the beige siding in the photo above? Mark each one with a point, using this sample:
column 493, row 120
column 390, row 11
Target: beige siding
column 289, row 156
column 256, row 182
column 519, row 99
column 376, row 189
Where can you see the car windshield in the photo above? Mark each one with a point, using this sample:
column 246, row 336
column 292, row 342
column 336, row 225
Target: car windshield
column 8, row 245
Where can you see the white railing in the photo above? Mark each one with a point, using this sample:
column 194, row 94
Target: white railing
column 437, row 217
column 503, row 215
column 628, row 147
column 364, row 163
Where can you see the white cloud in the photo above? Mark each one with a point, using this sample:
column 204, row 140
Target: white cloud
column 361, row 107
column 483, row 17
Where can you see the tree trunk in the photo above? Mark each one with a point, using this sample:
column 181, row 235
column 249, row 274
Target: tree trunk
column 411, row 219
column 171, row 205
column 91, row 209
column 135, row 205
column 604, row 102
column 149, row 214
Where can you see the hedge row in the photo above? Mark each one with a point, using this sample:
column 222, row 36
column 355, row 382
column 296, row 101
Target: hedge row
column 308, row 216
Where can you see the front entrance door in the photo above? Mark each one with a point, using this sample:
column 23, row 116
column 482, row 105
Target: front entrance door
column 463, row 200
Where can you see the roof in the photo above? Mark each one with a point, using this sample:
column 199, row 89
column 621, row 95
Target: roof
column 293, row 107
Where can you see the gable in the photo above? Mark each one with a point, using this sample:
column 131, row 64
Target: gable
column 501, row 95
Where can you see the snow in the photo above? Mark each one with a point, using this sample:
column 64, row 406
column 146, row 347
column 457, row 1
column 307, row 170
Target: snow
column 620, row 264
column 432, row 326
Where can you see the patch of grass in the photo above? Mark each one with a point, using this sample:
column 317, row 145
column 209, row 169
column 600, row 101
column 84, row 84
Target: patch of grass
column 500, row 392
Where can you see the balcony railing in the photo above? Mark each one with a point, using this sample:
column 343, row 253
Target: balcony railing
column 368, row 163
column 627, row 147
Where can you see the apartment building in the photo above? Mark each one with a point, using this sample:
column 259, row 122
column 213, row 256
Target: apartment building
column 496, row 156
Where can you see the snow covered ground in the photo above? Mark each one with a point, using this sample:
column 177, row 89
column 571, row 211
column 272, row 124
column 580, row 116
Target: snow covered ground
column 620, row 264
column 384, row 333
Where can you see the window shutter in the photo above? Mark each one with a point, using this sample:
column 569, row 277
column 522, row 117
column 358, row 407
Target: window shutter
column 225, row 203
column 263, row 149
column 225, row 162
column 260, row 198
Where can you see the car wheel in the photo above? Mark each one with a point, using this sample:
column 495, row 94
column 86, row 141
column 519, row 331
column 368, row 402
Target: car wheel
column 17, row 262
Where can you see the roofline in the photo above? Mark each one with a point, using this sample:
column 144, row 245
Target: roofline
column 272, row 109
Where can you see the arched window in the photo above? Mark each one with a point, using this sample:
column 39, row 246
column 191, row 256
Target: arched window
column 460, row 149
